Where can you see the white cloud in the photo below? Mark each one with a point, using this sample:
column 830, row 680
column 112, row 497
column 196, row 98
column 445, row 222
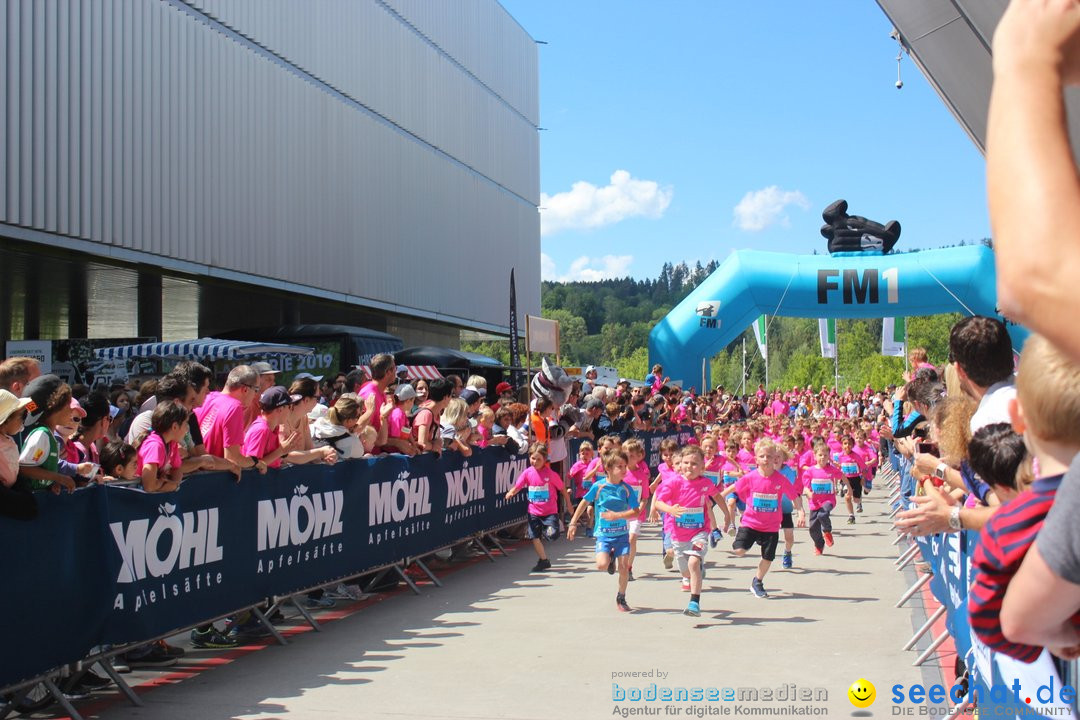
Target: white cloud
column 587, row 269
column 761, row 208
column 587, row 206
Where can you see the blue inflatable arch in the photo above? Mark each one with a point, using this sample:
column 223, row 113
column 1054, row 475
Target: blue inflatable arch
column 751, row 283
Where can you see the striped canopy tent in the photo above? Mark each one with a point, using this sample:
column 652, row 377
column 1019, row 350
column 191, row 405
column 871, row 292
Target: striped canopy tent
column 203, row 348
column 413, row 372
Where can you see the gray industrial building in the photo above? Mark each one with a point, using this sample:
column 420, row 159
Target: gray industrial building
column 179, row 168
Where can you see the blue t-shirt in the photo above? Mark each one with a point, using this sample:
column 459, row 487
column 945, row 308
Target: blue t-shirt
column 617, row 498
column 789, row 475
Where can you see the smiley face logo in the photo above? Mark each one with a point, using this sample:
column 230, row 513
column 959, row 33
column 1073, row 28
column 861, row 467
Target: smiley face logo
column 862, row 693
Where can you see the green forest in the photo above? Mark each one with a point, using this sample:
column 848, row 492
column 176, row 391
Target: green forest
column 608, row 322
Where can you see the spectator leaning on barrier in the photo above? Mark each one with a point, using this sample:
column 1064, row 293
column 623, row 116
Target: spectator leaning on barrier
column 14, row 503
column 373, row 393
column 1046, row 412
column 399, row 430
column 221, row 418
column 296, row 421
column 159, row 449
column 426, row 422
column 338, row 429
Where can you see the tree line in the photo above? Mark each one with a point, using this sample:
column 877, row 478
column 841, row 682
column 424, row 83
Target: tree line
column 607, row 322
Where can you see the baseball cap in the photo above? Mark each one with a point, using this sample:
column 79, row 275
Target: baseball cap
column 590, row 369
column 39, row 390
column 308, row 376
column 404, row 392
column 79, row 412
column 593, row 403
column 9, row 404
column 277, row 397
column 503, row 387
column 264, row 368
column 470, row 395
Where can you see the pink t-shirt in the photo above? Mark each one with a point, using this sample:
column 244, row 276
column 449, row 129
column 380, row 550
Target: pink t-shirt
column 694, row 496
column 397, row 425
column 575, row 474
column 822, row 484
column 639, row 479
column 851, row 465
column 221, row 421
column 371, row 387
column 730, row 472
column 153, row 451
column 543, row 488
column 867, row 454
column 260, row 441
column 762, row 498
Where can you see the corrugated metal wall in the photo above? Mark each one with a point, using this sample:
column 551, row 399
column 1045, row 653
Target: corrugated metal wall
column 335, row 145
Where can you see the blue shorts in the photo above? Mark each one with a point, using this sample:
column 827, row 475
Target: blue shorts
column 617, row 544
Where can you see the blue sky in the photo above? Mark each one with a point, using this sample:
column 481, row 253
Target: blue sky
column 685, row 130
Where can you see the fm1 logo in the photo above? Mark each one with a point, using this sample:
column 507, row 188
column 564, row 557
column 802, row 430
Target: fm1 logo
column 708, row 312
column 859, row 286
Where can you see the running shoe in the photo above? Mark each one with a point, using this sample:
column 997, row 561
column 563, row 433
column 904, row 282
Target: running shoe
column 669, row 560
column 90, row 680
column 731, row 529
column 171, row 650
column 620, row 604
column 850, row 519
column 858, row 508
column 153, row 659
column 828, row 539
column 818, row 551
column 630, row 575
column 611, row 563
column 541, row 566
column 212, row 639
column 787, row 563
column 758, row 588
column 693, row 609
column 686, row 584
column 714, row 537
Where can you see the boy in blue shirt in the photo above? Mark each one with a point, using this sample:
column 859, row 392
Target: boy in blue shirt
column 615, row 503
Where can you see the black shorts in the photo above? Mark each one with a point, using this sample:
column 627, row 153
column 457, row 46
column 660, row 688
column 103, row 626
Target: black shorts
column 786, row 523
column 745, row 539
column 856, row 486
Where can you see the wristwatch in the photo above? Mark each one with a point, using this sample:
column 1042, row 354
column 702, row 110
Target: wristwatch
column 954, row 519
column 939, row 471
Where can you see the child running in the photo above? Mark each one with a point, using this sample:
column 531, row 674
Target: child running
column 819, row 486
column 668, row 448
column 542, row 484
column 637, row 477
column 686, row 497
column 615, row 504
column 761, row 491
column 586, row 454
column 853, row 470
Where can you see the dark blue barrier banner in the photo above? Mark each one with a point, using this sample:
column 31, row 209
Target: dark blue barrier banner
column 116, row 565
column 1003, row 685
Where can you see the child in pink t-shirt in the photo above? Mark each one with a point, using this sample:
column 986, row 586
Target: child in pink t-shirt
column 730, row 472
column 668, row 448
column 542, row 486
column 819, row 482
column 637, row 477
column 261, row 440
column 852, row 468
column 761, row 490
column 687, row 498
column 159, row 452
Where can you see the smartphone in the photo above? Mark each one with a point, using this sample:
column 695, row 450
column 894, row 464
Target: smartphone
column 927, row 447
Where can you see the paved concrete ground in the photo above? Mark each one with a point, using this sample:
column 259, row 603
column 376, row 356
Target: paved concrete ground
column 499, row 642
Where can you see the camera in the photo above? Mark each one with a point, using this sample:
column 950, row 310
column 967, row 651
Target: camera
column 899, row 84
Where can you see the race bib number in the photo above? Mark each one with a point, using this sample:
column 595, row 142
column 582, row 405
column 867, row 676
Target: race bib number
column 611, row 527
column 849, row 469
column 713, row 476
column 538, row 493
column 730, row 479
column 821, row 487
column 691, row 520
column 764, row 502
